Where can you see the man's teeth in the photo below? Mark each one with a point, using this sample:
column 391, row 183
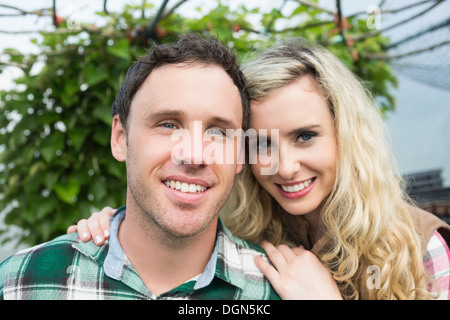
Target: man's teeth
column 185, row 187
column 297, row 187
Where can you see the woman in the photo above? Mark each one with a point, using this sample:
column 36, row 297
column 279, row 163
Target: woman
column 336, row 190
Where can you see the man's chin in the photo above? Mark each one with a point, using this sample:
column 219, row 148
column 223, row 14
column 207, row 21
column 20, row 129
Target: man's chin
column 186, row 231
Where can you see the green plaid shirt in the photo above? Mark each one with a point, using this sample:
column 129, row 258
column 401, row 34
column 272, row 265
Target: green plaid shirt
column 67, row 268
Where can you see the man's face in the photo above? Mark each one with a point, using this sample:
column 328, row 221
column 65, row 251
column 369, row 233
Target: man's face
column 180, row 196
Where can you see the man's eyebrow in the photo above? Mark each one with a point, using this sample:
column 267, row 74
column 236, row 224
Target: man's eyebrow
column 158, row 114
column 164, row 113
column 225, row 122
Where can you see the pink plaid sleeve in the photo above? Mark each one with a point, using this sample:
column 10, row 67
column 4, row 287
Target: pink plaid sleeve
column 437, row 264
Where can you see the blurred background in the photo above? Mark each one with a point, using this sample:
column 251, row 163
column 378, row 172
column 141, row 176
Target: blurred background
column 61, row 63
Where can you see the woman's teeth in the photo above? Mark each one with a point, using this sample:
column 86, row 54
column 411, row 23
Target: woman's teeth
column 297, row 187
column 184, row 186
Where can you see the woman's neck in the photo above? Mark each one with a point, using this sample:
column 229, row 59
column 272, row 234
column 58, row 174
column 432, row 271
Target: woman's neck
column 313, row 221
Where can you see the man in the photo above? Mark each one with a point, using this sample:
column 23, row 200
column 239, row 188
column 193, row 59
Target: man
column 168, row 241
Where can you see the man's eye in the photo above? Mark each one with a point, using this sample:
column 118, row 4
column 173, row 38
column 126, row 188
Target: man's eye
column 215, row 132
column 168, row 125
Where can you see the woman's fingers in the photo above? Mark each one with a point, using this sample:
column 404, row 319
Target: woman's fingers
column 297, row 273
column 71, row 229
column 83, row 231
column 98, row 225
column 267, row 270
column 278, row 256
column 103, row 219
column 298, row 250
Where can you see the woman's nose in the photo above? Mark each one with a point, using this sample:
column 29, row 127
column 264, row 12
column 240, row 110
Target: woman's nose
column 288, row 165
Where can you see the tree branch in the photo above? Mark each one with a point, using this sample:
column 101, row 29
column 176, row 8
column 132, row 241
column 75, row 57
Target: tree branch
column 385, row 56
column 253, row 30
column 83, row 27
column 306, row 26
column 14, row 64
column 340, row 23
column 55, row 20
column 171, row 10
column 393, row 11
column 105, row 10
column 149, row 31
column 377, row 32
column 19, row 32
column 416, row 35
column 21, row 12
column 315, row 6
column 272, row 21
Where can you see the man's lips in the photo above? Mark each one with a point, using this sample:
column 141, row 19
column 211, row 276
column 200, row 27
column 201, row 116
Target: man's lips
column 186, row 184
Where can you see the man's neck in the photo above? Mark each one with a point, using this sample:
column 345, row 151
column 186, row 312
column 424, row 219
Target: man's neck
column 163, row 266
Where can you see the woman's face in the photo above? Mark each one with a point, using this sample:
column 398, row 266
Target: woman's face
column 306, row 146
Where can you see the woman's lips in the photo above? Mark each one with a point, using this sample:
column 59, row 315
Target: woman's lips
column 294, row 190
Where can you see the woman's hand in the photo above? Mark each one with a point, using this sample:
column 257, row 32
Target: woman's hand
column 97, row 226
column 297, row 274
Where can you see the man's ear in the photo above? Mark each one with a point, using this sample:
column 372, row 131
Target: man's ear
column 118, row 140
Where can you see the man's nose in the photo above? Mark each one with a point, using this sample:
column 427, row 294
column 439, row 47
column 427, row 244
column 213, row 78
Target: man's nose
column 190, row 149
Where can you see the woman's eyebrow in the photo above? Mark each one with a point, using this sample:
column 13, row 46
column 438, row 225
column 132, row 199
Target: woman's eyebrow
column 304, row 128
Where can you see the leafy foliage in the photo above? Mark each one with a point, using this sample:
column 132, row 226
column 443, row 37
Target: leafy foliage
column 55, row 160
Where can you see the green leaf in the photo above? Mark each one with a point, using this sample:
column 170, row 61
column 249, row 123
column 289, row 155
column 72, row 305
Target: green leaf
column 50, row 179
column 67, row 191
column 120, row 49
column 46, row 206
column 77, row 136
column 98, row 189
column 52, row 144
column 103, row 113
column 94, row 75
column 102, row 137
column 35, row 168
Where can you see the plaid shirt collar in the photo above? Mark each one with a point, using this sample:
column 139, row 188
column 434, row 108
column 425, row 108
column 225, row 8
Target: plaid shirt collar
column 117, row 266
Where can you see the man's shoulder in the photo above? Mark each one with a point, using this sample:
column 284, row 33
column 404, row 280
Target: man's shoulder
column 47, row 251
column 242, row 244
column 238, row 264
column 43, row 265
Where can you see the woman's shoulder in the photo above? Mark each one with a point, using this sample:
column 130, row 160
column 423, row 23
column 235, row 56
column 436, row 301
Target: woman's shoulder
column 426, row 224
column 437, row 264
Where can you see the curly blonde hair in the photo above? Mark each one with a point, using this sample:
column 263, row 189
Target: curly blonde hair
column 365, row 216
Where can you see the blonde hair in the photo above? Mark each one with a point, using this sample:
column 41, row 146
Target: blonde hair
column 365, row 216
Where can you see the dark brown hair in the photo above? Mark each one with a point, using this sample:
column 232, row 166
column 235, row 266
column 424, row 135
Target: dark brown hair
column 189, row 48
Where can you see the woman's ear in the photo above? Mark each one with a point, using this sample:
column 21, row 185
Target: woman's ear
column 118, row 140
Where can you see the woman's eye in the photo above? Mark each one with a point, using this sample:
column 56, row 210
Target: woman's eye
column 306, row 136
column 264, row 144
